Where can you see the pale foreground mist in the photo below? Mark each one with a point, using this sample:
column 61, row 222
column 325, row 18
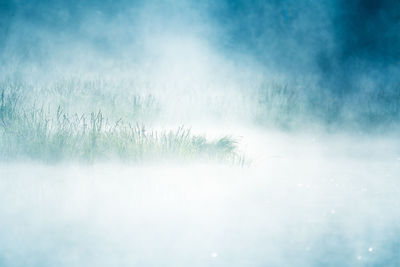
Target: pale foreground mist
column 310, row 200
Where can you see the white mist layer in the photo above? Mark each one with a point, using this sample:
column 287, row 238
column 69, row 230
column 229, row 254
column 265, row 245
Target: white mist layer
column 309, row 201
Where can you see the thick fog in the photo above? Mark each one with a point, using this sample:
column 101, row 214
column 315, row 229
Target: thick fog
column 266, row 133
column 309, row 201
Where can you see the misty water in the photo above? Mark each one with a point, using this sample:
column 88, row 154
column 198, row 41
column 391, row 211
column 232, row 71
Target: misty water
column 199, row 133
column 308, row 201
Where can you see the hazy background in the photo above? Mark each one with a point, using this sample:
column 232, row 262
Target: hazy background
column 338, row 41
column 338, row 59
column 310, row 90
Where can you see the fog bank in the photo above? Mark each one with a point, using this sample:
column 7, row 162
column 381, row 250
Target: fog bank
column 294, row 206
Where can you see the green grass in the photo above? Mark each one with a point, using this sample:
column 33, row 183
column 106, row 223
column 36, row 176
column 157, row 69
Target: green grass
column 41, row 134
column 74, row 119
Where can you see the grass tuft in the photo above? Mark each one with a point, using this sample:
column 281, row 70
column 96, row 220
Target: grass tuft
column 39, row 134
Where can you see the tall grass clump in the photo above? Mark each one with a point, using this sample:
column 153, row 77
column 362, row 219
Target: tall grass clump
column 292, row 107
column 41, row 134
column 9, row 100
column 279, row 105
column 115, row 99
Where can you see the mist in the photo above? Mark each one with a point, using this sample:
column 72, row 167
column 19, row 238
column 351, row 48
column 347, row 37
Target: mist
column 211, row 133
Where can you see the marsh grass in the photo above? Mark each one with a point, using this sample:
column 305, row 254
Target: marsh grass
column 38, row 133
column 56, row 121
column 9, row 100
column 115, row 99
column 279, row 105
column 291, row 107
column 380, row 107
